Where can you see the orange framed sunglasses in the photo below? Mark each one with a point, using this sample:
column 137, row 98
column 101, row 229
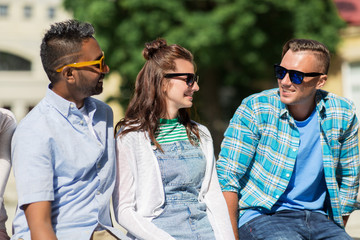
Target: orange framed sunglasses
column 99, row 62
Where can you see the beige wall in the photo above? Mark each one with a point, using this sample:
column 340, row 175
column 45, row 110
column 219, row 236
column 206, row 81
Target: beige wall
column 22, row 36
column 348, row 52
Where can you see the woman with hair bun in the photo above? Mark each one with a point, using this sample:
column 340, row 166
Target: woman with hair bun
column 167, row 186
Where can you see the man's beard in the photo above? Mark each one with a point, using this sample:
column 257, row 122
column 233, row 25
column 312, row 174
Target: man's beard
column 94, row 90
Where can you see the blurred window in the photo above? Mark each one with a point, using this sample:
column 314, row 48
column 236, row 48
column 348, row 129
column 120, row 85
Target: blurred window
column 4, row 10
column 27, row 11
column 10, row 62
column 354, row 75
column 51, row 13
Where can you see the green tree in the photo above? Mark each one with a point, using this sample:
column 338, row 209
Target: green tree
column 235, row 42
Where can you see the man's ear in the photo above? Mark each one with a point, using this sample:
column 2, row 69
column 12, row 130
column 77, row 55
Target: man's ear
column 321, row 81
column 67, row 74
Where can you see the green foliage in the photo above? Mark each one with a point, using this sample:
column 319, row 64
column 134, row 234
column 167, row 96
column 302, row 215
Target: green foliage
column 235, row 42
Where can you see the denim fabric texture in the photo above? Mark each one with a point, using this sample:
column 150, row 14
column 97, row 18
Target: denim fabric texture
column 292, row 225
column 182, row 167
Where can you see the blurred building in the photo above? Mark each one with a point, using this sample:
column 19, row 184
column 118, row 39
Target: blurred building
column 22, row 25
column 344, row 76
column 23, row 82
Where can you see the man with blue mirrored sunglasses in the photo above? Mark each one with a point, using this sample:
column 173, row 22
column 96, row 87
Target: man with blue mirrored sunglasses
column 289, row 162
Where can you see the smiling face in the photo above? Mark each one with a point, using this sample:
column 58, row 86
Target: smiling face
column 177, row 93
column 300, row 98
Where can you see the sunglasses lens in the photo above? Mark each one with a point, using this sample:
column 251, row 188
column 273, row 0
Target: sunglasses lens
column 296, row 77
column 280, row 72
column 190, row 80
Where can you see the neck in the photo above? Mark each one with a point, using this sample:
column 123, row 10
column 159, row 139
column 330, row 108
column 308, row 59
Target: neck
column 171, row 115
column 63, row 92
column 300, row 112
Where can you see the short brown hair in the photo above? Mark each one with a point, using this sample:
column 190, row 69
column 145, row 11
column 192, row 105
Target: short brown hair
column 320, row 50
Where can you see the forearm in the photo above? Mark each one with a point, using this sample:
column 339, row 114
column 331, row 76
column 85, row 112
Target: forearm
column 232, row 200
column 38, row 216
column 42, row 232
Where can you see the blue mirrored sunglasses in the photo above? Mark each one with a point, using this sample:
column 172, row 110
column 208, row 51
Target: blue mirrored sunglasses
column 296, row 77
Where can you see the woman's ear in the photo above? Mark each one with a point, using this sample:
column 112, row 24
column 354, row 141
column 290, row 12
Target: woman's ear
column 164, row 86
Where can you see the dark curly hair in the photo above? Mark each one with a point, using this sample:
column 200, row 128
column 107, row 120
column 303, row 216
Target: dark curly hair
column 61, row 44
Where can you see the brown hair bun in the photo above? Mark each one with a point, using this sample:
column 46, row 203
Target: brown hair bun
column 151, row 48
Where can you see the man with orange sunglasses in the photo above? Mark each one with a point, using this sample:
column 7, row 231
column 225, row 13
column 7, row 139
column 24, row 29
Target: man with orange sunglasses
column 63, row 151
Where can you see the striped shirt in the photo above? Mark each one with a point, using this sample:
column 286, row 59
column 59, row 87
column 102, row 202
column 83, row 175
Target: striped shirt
column 170, row 130
column 260, row 147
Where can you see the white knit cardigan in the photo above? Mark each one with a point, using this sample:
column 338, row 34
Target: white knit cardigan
column 139, row 193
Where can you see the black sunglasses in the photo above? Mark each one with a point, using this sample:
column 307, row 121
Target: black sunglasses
column 190, row 79
column 296, row 77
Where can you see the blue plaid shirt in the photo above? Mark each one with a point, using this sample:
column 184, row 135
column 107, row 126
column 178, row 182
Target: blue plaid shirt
column 259, row 151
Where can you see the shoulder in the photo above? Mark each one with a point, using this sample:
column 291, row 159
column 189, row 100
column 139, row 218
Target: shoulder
column 270, row 96
column 202, row 127
column 334, row 100
column 338, row 112
column 4, row 113
column 203, row 131
column 334, row 103
column 7, row 118
column 132, row 137
column 260, row 105
column 38, row 123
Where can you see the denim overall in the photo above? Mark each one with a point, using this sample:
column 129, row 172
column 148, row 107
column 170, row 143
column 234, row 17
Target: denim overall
column 182, row 167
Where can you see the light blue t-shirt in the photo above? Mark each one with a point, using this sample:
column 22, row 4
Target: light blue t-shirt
column 307, row 187
column 57, row 158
